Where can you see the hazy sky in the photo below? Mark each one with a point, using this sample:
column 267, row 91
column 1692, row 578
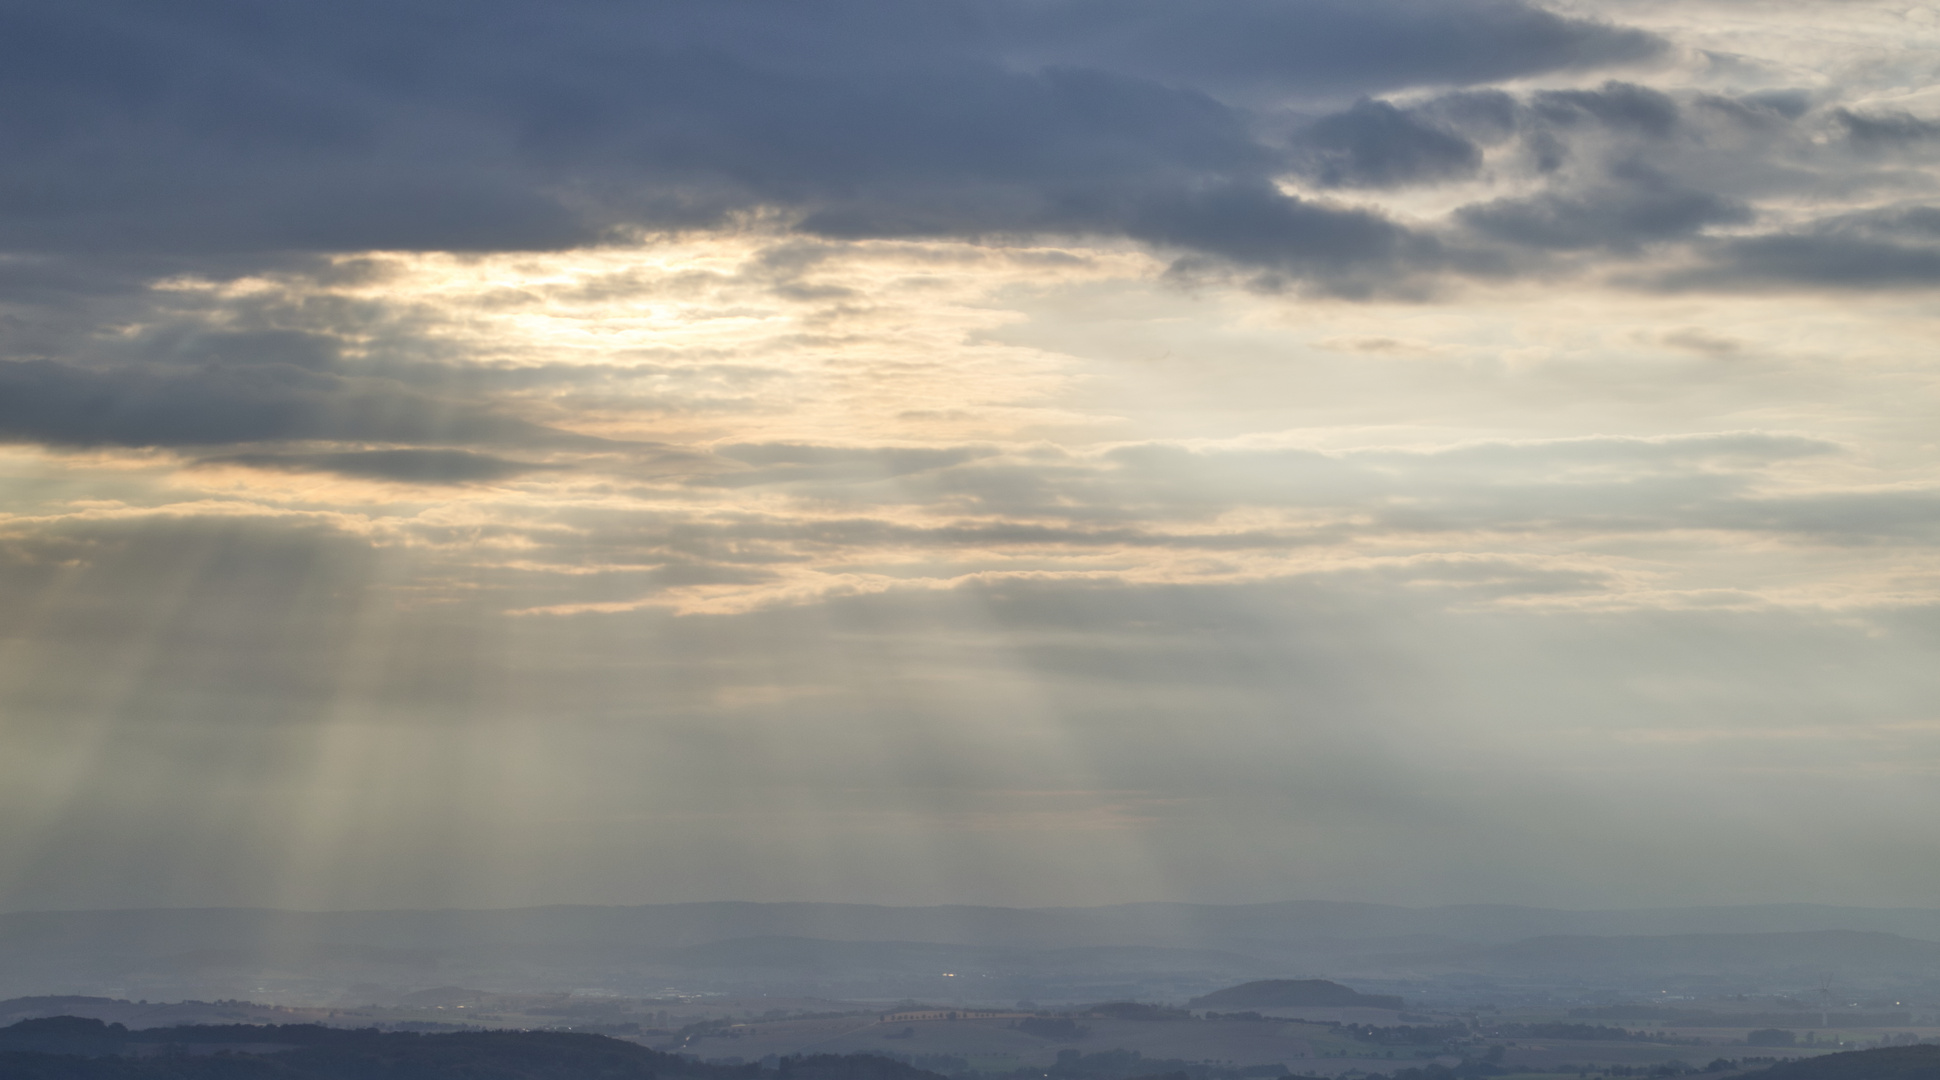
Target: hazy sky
column 1009, row 451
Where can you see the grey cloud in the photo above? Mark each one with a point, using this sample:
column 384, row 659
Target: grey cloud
column 1897, row 247
column 1856, row 517
column 1339, row 250
column 410, row 466
column 1768, row 111
column 1157, row 495
column 1636, row 206
column 151, row 405
column 1840, row 261
column 1790, row 104
column 1618, row 169
column 1028, row 535
column 1485, row 116
column 789, row 463
column 1375, row 144
column 1699, row 340
column 728, row 550
column 1624, row 106
column 93, row 353
column 129, row 128
column 1883, row 129
column 1143, row 494
column 429, row 124
column 293, row 347
column 1904, row 223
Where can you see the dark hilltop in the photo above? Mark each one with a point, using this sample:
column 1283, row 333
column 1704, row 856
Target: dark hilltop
column 1287, row 993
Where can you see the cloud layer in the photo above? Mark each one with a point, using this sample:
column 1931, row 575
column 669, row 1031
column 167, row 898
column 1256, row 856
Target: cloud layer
column 1026, row 452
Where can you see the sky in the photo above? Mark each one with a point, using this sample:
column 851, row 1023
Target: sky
column 1027, row 452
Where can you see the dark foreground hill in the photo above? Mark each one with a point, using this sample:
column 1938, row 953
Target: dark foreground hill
column 69, row 1048
column 1285, row 993
column 1886, row 1063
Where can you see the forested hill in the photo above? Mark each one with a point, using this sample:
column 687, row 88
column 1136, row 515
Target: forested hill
column 1886, row 1063
column 70, row 1048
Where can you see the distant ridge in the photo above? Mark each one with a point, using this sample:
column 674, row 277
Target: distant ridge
column 999, row 955
column 1284, row 993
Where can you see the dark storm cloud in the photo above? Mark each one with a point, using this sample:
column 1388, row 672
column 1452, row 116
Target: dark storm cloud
column 150, row 405
column 426, row 124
